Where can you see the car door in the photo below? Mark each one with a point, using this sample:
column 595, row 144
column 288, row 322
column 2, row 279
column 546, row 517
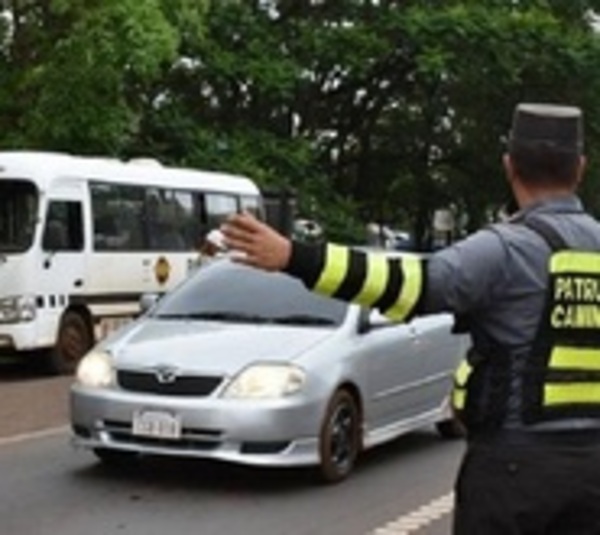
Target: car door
column 392, row 369
column 437, row 353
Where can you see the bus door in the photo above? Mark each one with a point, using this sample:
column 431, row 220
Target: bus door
column 62, row 274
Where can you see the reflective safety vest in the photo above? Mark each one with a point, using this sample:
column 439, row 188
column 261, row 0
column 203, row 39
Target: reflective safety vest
column 560, row 378
column 392, row 284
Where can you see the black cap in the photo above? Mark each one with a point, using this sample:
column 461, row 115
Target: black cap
column 548, row 125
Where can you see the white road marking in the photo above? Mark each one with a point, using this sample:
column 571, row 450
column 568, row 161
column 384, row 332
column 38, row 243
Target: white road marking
column 419, row 518
column 44, row 433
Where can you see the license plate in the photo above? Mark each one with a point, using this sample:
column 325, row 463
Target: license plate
column 156, row 424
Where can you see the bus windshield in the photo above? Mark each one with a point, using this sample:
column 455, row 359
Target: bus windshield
column 18, row 214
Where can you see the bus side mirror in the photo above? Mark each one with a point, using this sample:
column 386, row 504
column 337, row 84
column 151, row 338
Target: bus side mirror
column 147, row 301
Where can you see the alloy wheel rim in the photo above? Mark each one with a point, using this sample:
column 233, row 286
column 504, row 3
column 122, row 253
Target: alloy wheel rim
column 341, row 443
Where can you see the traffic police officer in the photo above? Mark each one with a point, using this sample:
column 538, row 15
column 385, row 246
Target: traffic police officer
column 529, row 290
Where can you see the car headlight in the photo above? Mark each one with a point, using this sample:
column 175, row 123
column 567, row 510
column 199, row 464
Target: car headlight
column 263, row 381
column 96, row 370
column 17, row 309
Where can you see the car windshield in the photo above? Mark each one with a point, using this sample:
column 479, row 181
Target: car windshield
column 225, row 291
column 18, row 214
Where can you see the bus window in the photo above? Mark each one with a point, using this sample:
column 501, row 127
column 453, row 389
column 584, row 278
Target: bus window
column 187, row 218
column 166, row 219
column 117, row 213
column 218, row 207
column 251, row 204
column 64, row 227
column 149, row 218
column 18, row 207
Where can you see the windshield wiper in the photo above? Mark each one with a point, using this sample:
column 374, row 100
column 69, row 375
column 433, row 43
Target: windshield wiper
column 216, row 316
column 303, row 319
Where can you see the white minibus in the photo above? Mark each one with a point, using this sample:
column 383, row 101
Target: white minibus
column 82, row 238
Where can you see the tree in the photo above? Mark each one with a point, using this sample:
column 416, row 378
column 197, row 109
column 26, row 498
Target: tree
column 369, row 110
column 77, row 71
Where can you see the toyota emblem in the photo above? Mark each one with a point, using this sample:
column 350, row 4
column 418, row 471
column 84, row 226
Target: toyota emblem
column 166, row 374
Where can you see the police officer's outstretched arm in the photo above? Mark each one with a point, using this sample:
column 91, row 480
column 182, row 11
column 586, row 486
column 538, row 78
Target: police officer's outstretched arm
column 393, row 285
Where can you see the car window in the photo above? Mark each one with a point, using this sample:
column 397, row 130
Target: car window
column 224, row 290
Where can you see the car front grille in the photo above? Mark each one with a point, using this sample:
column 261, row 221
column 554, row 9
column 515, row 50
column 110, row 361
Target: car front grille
column 185, row 385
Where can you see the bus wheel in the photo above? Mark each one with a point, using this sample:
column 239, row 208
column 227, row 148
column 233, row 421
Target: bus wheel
column 73, row 341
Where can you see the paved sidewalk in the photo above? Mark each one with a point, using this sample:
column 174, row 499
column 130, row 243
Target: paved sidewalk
column 33, row 404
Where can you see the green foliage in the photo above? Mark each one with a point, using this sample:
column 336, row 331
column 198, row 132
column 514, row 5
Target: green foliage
column 84, row 88
column 367, row 110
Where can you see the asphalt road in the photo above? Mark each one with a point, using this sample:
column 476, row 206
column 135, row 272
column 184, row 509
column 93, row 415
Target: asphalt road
column 48, row 488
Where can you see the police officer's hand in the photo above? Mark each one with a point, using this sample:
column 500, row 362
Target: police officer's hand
column 255, row 243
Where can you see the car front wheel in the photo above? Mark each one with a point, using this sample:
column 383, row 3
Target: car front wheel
column 339, row 441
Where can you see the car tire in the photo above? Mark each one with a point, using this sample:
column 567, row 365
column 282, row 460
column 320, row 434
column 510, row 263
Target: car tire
column 339, row 438
column 450, row 429
column 73, row 341
column 115, row 458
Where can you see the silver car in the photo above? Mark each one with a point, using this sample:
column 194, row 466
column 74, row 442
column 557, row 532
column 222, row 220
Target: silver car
column 245, row 366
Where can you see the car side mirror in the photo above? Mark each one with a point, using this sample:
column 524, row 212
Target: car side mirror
column 148, row 301
column 372, row 319
column 364, row 325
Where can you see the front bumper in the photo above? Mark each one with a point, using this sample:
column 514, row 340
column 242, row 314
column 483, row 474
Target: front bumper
column 281, row 432
column 21, row 336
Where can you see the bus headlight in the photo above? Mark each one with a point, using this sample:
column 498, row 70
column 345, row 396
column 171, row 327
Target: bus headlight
column 264, row 381
column 17, row 309
column 95, row 370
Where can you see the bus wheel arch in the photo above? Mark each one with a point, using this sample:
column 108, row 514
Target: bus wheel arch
column 74, row 338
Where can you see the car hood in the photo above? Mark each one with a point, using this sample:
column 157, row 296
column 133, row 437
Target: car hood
column 211, row 347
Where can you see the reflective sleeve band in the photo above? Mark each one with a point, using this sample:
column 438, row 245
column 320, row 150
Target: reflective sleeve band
column 575, row 358
column 371, row 280
column 572, row 393
column 376, row 279
column 334, row 271
column 410, row 290
column 575, row 262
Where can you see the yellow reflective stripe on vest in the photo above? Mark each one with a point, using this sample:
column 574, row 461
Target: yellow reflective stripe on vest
column 575, row 358
column 576, row 308
column 336, row 266
column 462, row 373
column 459, row 398
column 575, row 262
column 459, row 391
column 572, row 393
column 376, row 280
column 412, row 269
